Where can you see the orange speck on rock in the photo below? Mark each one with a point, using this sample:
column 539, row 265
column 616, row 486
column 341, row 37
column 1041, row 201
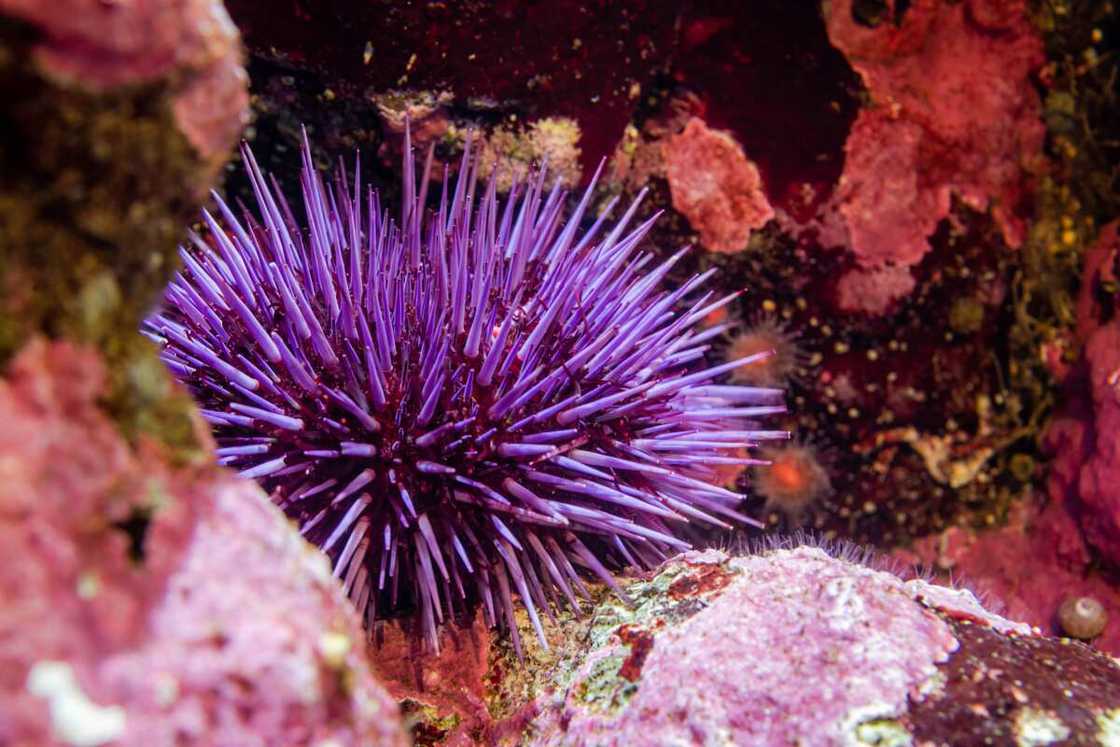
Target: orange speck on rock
column 716, row 316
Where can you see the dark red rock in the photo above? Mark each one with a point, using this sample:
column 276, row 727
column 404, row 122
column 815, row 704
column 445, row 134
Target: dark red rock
column 1028, row 567
column 1018, row 690
column 584, row 60
column 765, row 72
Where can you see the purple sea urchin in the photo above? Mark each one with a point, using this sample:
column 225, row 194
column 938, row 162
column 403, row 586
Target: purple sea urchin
column 465, row 406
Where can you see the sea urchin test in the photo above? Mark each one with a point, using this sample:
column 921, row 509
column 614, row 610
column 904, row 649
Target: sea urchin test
column 479, row 402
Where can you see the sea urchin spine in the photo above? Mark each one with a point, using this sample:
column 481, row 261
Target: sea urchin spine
column 464, row 406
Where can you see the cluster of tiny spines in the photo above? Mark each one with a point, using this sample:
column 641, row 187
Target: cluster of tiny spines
column 469, row 404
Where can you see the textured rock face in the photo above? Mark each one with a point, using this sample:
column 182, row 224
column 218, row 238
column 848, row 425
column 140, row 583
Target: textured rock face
column 1085, row 436
column 1031, row 567
column 795, row 646
column 953, row 112
column 117, row 120
column 708, row 672
column 715, row 186
column 144, row 605
column 873, row 290
column 190, row 46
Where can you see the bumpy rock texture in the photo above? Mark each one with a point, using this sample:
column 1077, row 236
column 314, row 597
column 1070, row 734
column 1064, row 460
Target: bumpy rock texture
column 1029, row 567
column 143, row 604
column 1085, row 436
column 953, row 113
column 146, row 596
column 781, row 647
column 796, row 645
column 117, row 120
column 715, row 186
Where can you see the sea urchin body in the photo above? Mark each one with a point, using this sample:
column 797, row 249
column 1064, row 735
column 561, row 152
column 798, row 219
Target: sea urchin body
column 469, row 405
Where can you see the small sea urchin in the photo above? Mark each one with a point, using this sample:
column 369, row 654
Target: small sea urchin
column 464, row 406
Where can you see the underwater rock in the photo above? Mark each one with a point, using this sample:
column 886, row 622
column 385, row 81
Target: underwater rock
column 188, row 50
column 795, row 646
column 715, row 186
column 1085, row 435
column 144, row 604
column 873, row 290
column 442, row 694
column 953, row 113
column 1028, row 567
column 1100, row 472
column 118, row 118
column 503, row 61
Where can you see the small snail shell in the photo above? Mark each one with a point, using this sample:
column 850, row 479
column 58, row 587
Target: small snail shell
column 1082, row 617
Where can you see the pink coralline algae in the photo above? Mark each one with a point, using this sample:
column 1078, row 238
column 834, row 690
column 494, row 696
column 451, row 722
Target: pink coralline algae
column 193, row 44
column 1028, row 567
column 715, row 186
column 1099, row 445
column 785, row 647
column 873, row 290
column 142, row 604
column 1085, row 436
column 953, row 112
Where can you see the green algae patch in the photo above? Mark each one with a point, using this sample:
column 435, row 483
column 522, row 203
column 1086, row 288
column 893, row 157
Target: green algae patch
column 602, row 654
column 98, row 189
column 602, row 690
column 426, row 724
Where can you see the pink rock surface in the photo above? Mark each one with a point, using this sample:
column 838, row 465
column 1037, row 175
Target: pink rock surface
column 953, row 112
column 873, row 290
column 1099, row 479
column 797, row 646
column 793, row 646
column 99, row 45
column 1028, row 567
column 1085, row 436
column 715, row 186
column 142, row 604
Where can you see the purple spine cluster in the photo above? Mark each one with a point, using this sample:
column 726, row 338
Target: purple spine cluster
column 479, row 402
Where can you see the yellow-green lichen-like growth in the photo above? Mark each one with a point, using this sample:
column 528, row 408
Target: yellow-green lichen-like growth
column 104, row 160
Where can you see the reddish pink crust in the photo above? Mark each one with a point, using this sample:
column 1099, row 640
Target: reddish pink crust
column 219, row 627
column 873, row 290
column 1028, row 567
column 191, row 45
column 1085, row 436
column 953, row 112
column 715, row 187
column 1100, row 473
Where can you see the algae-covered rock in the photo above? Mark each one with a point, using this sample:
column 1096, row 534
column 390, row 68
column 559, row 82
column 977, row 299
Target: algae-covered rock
column 117, row 118
column 794, row 646
column 145, row 604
